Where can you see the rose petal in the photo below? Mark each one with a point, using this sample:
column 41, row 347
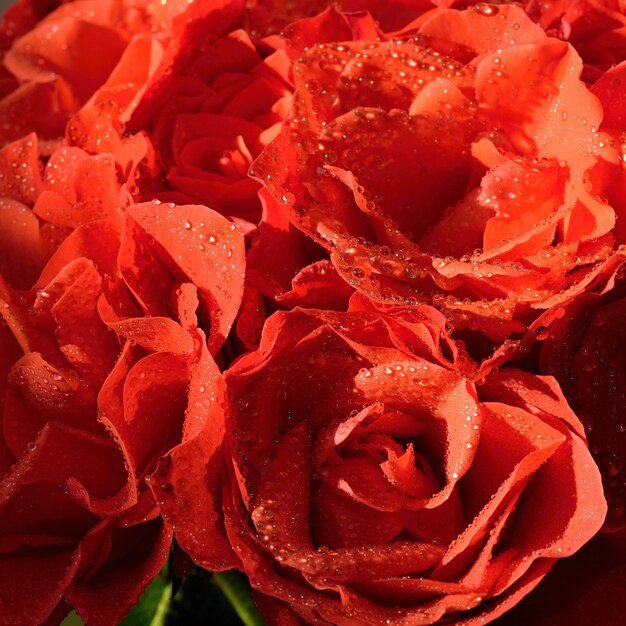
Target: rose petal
column 23, row 251
column 283, row 522
column 51, row 49
column 135, row 556
column 19, row 166
column 483, row 31
column 532, row 116
column 608, row 89
column 319, row 286
column 21, row 110
column 204, row 247
column 187, row 483
column 34, row 580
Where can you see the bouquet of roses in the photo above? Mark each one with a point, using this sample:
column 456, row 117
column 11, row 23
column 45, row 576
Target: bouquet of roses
column 317, row 309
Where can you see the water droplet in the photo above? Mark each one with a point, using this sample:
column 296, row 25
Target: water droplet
column 483, row 8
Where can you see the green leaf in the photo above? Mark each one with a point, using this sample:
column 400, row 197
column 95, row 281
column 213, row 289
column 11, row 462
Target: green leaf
column 235, row 587
column 152, row 608
column 204, row 598
column 72, row 619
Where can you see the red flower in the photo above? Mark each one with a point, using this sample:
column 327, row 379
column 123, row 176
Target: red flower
column 353, row 461
column 52, row 66
column 368, row 478
column 42, row 205
column 463, row 178
column 212, row 105
column 101, row 364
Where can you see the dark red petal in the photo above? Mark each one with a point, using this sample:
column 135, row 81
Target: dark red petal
column 33, row 581
column 610, row 89
column 580, row 590
column 275, row 612
column 250, row 319
column 599, row 373
column 135, row 556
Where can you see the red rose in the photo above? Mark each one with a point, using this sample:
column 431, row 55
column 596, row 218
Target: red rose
column 53, row 65
column 354, row 460
column 368, row 479
column 458, row 172
column 41, row 205
column 212, row 105
column 103, row 366
column 596, row 28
